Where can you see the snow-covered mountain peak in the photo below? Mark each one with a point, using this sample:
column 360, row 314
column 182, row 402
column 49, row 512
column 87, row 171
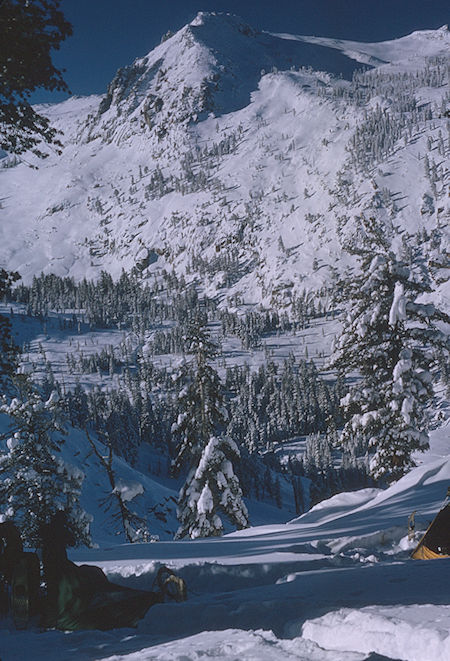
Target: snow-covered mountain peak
column 222, row 20
column 441, row 34
column 239, row 160
column 210, row 66
column 213, row 64
column 205, row 67
column 167, row 81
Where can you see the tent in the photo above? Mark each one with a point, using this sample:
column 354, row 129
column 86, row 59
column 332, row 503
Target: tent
column 436, row 541
column 87, row 600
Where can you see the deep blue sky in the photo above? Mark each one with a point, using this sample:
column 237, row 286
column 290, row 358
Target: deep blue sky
column 109, row 34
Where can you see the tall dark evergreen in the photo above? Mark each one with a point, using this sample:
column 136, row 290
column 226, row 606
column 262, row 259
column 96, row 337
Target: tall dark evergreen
column 392, row 340
column 35, row 480
column 8, row 349
column 211, row 487
column 29, row 31
column 201, row 411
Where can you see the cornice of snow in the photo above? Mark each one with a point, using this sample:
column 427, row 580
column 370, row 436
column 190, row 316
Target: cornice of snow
column 418, row 44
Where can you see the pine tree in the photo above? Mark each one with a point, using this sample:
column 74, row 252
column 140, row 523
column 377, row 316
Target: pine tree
column 391, row 339
column 8, row 350
column 200, row 401
column 76, row 403
column 121, row 493
column 185, row 430
column 211, row 485
column 212, row 489
column 30, row 31
column 35, row 481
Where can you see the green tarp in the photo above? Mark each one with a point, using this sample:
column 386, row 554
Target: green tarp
column 87, row 600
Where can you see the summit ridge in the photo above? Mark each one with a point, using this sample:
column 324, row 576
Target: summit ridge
column 241, row 159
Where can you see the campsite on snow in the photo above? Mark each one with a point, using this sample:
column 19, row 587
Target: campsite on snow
column 224, row 356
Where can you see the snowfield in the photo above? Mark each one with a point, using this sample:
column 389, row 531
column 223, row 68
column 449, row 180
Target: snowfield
column 335, row 584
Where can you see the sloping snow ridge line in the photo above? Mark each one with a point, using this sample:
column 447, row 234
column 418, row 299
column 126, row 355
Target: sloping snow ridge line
column 238, row 645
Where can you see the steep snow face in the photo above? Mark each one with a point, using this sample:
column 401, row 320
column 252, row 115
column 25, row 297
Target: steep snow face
column 212, row 65
column 223, row 155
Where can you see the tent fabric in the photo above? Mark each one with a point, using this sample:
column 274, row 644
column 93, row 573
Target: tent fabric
column 87, row 600
column 422, row 552
column 436, row 541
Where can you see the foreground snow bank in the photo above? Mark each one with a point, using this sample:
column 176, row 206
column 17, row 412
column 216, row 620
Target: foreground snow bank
column 236, row 644
column 408, row 633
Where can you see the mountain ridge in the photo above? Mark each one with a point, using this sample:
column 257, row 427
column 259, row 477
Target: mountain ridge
column 256, row 198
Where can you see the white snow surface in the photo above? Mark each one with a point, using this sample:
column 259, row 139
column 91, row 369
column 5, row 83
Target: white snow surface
column 336, row 584
column 410, row 48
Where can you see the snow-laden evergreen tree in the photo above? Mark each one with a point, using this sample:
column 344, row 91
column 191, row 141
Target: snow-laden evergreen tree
column 201, row 412
column 35, row 481
column 392, row 340
column 211, row 485
column 212, row 490
column 184, row 430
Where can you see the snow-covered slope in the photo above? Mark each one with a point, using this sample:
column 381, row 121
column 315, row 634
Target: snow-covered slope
column 237, row 154
column 409, row 50
column 334, row 585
